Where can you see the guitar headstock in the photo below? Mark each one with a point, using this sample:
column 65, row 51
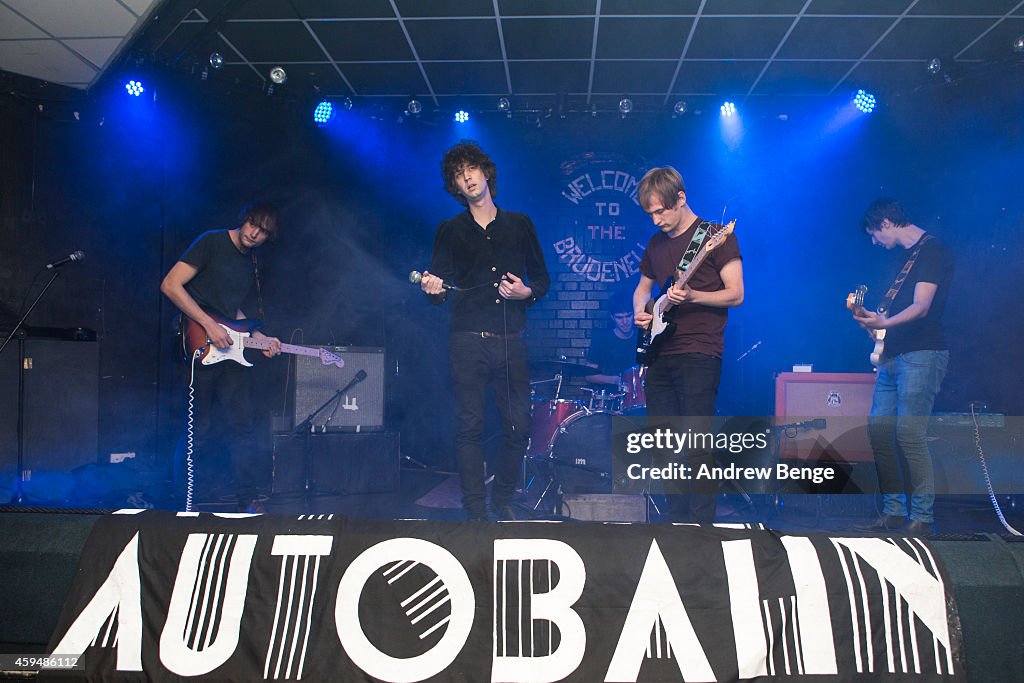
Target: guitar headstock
column 855, row 299
column 717, row 239
column 328, row 358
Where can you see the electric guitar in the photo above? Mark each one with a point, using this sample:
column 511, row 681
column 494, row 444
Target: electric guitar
column 195, row 340
column 662, row 326
column 855, row 302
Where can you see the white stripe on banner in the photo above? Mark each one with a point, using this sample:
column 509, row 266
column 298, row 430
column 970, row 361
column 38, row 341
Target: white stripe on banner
column 814, row 616
column 851, row 596
column 745, row 608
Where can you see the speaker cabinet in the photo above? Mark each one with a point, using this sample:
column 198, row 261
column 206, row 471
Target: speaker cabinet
column 360, row 408
column 338, row 463
column 61, row 405
column 843, row 400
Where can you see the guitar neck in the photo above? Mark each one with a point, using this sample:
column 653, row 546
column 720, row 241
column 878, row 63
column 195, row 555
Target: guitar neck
column 690, row 270
column 252, row 343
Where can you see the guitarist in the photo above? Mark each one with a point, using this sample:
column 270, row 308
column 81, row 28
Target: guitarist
column 216, row 273
column 683, row 378
column 911, row 369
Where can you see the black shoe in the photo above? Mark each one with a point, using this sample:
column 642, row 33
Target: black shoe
column 506, row 513
column 918, row 528
column 884, row 524
column 476, row 516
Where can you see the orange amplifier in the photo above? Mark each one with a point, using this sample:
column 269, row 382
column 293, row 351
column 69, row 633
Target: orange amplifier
column 842, row 399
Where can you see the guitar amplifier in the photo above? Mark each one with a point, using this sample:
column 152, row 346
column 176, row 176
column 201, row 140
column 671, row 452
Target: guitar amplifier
column 359, row 408
column 843, row 400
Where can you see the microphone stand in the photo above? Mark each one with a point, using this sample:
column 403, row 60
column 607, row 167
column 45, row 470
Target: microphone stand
column 19, row 490
column 307, row 426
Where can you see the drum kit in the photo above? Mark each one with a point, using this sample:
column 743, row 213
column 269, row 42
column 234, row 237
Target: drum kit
column 571, row 438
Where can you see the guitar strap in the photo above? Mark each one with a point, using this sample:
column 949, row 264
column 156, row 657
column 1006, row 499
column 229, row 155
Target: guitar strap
column 897, row 284
column 693, row 249
column 259, row 291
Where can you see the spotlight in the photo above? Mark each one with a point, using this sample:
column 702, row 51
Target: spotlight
column 864, row 101
column 414, row 107
column 134, row 88
column 216, row 60
column 345, row 103
column 728, row 109
column 1018, row 44
column 461, row 116
column 278, row 75
column 504, row 104
column 934, row 65
column 323, row 114
column 625, row 106
column 679, row 108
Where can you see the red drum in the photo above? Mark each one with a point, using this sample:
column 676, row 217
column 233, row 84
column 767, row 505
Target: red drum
column 605, row 400
column 633, row 385
column 545, row 416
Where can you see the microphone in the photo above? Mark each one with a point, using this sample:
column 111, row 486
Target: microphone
column 415, row 277
column 73, row 256
column 817, row 423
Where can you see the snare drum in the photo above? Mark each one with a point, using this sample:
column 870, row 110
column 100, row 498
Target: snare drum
column 634, row 400
column 545, row 416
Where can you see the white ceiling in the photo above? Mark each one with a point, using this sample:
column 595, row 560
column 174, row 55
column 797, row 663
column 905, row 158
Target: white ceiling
column 68, row 42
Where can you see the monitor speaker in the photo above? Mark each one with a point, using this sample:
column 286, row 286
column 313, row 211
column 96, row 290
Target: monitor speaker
column 340, row 464
column 359, row 408
column 843, row 400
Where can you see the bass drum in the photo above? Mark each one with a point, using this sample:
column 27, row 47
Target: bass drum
column 582, row 452
column 545, row 418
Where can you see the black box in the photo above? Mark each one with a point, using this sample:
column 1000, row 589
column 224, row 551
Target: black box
column 339, row 463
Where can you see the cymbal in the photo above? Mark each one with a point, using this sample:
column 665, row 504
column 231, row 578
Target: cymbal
column 566, row 368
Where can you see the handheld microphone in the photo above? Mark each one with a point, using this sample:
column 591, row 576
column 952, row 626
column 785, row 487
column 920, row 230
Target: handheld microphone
column 73, row 256
column 415, row 277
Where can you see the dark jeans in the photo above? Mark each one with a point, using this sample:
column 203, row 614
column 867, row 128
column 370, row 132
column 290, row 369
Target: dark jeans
column 687, row 385
column 223, row 420
column 904, row 395
column 475, row 364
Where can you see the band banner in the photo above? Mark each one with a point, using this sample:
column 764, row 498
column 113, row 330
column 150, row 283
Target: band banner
column 166, row 596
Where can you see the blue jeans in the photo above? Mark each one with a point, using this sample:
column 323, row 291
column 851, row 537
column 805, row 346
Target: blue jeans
column 898, row 426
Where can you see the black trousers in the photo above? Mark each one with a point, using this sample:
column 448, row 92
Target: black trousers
column 477, row 363
column 687, row 385
column 223, row 422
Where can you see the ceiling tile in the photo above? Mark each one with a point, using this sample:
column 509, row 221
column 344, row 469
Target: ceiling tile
column 646, row 38
column 77, row 18
column 363, row 9
column 833, row 38
column 716, row 77
column 281, row 41
column 385, row 79
column 997, row 44
column 455, row 39
column 648, row 7
column 363, row 40
column 801, row 78
column 753, row 6
column 484, row 78
column 449, row 8
column 959, row 7
column 919, row 38
column 548, row 38
column 47, row 60
column 549, row 77
column 633, row 77
column 12, row 26
column 97, row 50
column 886, row 78
column 859, row 7
column 529, row 8
column 737, row 38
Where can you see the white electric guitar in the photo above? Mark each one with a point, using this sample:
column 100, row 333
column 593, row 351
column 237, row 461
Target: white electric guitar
column 194, row 339
column 855, row 302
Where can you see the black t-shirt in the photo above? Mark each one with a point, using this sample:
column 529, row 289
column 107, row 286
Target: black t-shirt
column 469, row 256
column 699, row 329
column 612, row 355
column 934, row 264
column 225, row 274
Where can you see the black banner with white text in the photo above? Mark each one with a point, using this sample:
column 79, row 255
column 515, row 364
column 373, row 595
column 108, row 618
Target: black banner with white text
column 165, row 596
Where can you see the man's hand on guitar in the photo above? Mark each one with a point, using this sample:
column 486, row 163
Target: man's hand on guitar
column 680, row 295
column 642, row 319
column 868, row 320
column 431, row 284
column 217, row 335
column 275, row 344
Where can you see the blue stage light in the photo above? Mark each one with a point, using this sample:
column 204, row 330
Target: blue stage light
column 461, row 116
column 728, row 109
column 134, row 88
column 323, row 114
column 864, row 101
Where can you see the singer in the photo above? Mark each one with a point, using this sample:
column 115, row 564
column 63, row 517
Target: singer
column 495, row 259
column 217, row 273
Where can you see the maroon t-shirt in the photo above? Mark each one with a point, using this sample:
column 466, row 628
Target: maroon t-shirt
column 699, row 329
